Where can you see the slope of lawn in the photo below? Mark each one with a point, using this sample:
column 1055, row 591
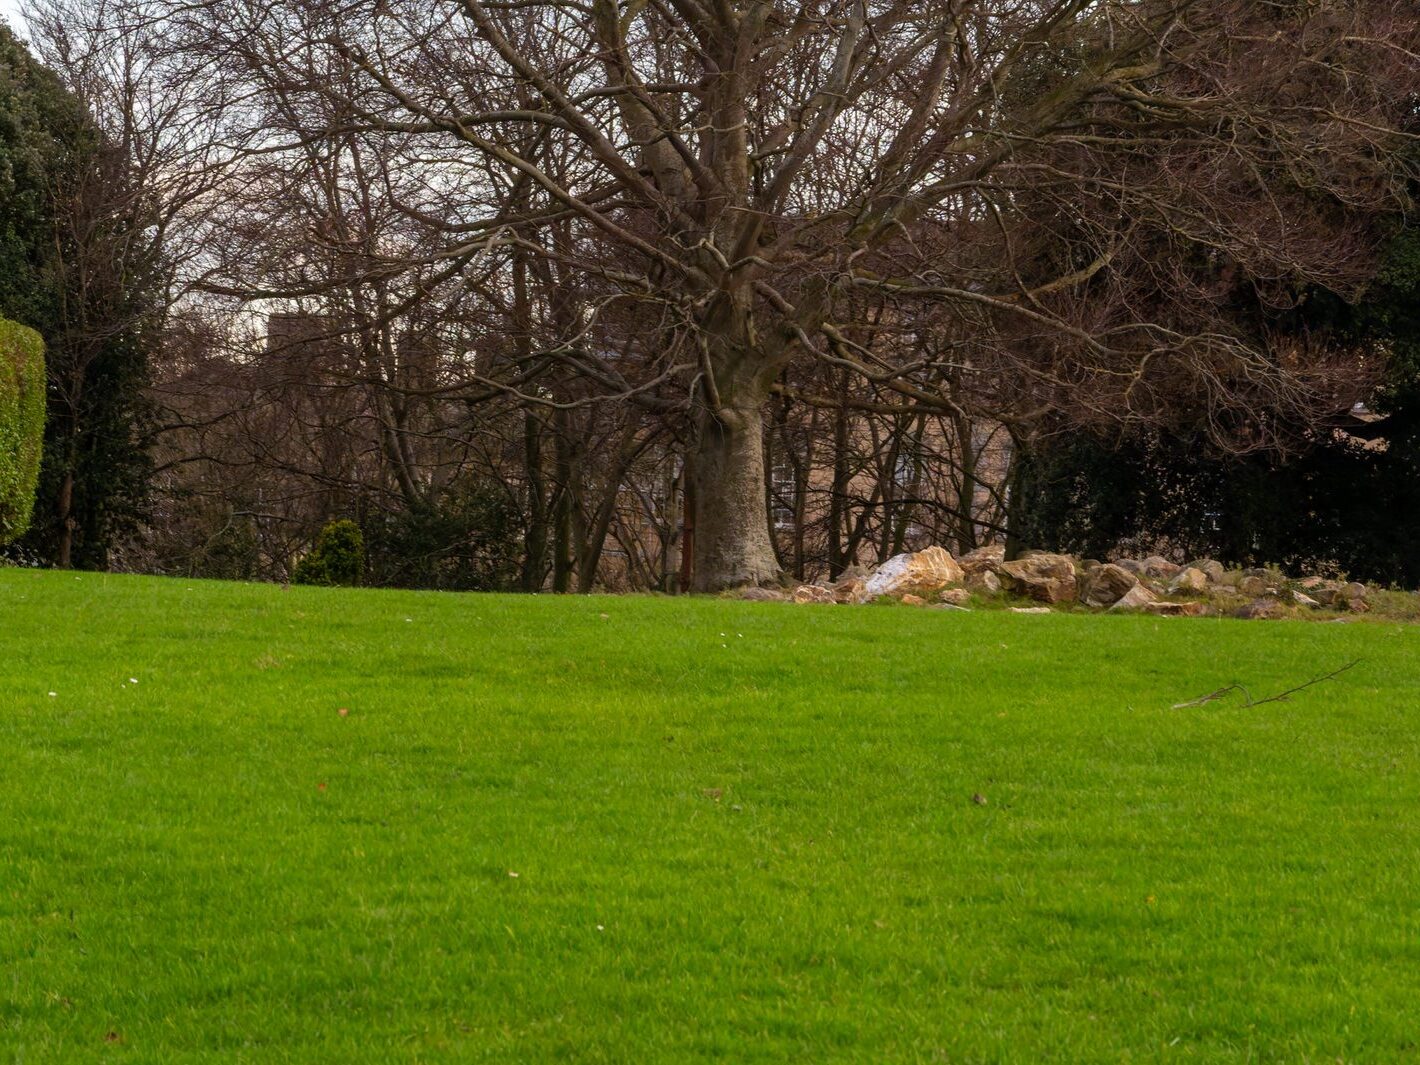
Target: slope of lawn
column 652, row 830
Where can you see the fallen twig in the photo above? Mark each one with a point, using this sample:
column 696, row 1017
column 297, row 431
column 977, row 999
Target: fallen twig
column 1210, row 697
column 1278, row 698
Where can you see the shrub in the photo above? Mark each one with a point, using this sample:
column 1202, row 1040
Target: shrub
column 21, row 425
column 471, row 540
column 338, row 557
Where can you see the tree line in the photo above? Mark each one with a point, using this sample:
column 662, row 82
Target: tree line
column 688, row 294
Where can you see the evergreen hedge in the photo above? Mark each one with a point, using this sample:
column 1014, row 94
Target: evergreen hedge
column 21, row 425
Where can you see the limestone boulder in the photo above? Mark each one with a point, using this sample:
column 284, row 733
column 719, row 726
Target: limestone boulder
column 983, row 559
column 1159, row 567
column 1211, row 568
column 1137, row 598
column 1252, row 586
column 1191, row 580
column 813, row 593
column 1337, row 594
column 920, row 573
column 954, row 596
column 1259, row 610
column 1042, row 576
column 912, row 600
column 984, row 582
column 849, row 590
column 1105, row 585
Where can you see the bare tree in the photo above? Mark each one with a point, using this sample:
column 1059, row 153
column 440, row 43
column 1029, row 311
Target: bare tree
column 735, row 172
column 1026, row 213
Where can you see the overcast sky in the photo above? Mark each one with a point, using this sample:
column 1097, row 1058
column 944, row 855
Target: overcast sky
column 10, row 11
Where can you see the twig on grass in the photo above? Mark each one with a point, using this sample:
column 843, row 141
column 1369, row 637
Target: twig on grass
column 1210, row 697
column 1280, row 697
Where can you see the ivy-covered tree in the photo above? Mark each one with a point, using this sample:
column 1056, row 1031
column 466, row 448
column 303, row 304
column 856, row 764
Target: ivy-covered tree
column 70, row 221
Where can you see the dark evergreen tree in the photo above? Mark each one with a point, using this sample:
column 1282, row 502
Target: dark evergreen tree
column 68, row 223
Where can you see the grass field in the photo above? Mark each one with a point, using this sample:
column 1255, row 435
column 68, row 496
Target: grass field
column 647, row 830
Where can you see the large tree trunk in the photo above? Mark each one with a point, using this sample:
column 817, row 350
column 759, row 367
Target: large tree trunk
column 732, row 545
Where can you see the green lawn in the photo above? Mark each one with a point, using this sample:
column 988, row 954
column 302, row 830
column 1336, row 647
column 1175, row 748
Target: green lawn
column 650, row 830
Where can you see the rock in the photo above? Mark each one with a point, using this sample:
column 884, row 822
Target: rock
column 1308, row 583
column 948, row 606
column 1357, row 606
column 1040, row 575
column 1130, row 565
column 849, row 590
column 1160, row 567
column 813, row 593
column 1192, row 609
column 1251, row 586
column 1031, row 610
column 912, row 600
column 1259, row 610
column 1136, row 598
column 1191, row 580
column 1211, row 569
column 982, row 560
column 1327, row 593
column 764, row 595
column 917, row 573
column 955, row 596
column 1339, row 596
column 984, row 582
column 1302, row 599
column 1106, row 585
column 1089, row 565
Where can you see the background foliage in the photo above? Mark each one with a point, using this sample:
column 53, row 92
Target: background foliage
column 1348, row 502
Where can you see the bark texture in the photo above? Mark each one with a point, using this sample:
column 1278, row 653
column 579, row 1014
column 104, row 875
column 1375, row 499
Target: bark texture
column 732, row 546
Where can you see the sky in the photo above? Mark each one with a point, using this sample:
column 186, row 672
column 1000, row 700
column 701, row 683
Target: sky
column 10, row 12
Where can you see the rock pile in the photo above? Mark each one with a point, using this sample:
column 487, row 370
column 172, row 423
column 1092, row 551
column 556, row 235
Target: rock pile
column 1155, row 585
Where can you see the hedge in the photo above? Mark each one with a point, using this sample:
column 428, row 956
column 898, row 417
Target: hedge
column 21, row 425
